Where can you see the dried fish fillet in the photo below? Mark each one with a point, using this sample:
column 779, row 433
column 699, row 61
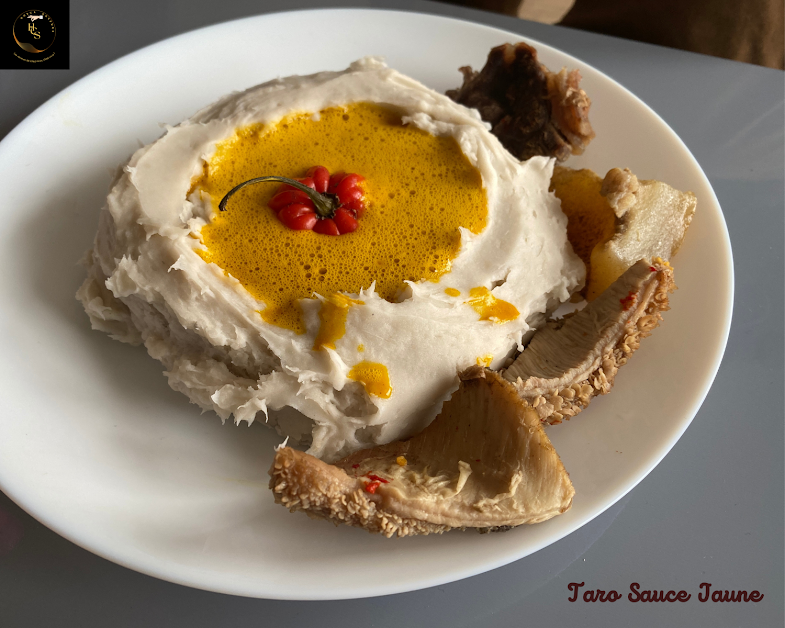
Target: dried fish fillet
column 484, row 462
column 570, row 361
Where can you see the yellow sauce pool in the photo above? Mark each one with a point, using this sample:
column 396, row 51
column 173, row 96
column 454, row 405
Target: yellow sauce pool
column 485, row 360
column 491, row 308
column 374, row 377
column 419, row 190
column 332, row 319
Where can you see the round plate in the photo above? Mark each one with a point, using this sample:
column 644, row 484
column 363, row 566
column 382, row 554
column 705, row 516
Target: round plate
column 95, row 445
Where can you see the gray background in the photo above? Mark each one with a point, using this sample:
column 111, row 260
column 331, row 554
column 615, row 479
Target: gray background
column 712, row 511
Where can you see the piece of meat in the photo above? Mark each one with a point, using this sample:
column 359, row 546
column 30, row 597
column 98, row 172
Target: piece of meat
column 620, row 188
column 570, row 361
column 484, row 462
column 532, row 110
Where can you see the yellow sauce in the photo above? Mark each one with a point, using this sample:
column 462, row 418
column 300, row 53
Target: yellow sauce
column 485, row 360
column 374, row 377
column 332, row 316
column 360, row 348
column 491, row 308
column 452, row 292
column 419, row 190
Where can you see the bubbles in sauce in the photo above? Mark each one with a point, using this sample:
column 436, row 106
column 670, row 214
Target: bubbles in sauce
column 419, row 190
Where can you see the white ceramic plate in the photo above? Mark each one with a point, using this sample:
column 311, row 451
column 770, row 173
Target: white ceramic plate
column 95, row 445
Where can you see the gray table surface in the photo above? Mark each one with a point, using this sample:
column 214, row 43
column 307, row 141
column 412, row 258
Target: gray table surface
column 712, row 511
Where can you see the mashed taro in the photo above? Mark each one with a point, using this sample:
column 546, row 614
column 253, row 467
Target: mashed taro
column 339, row 342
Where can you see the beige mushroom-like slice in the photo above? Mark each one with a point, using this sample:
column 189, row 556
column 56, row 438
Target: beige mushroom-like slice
column 616, row 221
column 485, row 462
column 571, row 360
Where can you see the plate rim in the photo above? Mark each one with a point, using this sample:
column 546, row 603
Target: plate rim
column 160, row 571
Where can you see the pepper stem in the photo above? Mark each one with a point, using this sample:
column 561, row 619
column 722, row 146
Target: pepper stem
column 324, row 205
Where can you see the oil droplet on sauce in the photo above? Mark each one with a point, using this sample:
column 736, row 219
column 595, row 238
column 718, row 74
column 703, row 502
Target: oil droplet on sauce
column 360, row 348
column 452, row 292
column 491, row 308
column 333, row 320
column 374, row 377
column 419, row 190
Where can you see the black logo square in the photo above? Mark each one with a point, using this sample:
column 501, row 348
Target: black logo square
column 40, row 38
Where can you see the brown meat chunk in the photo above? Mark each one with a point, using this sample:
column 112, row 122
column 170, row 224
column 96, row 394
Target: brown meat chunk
column 574, row 359
column 531, row 110
column 484, row 462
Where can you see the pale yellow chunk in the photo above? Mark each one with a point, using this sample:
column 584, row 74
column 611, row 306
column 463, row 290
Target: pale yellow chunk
column 615, row 222
column 653, row 227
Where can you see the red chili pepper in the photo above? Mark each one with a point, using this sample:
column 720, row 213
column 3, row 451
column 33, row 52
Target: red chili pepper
column 372, row 486
column 344, row 220
column 355, row 466
column 652, row 269
column 298, row 216
column 376, row 478
column 356, row 206
column 347, row 189
column 306, row 181
column 287, row 197
column 628, row 301
column 321, row 178
column 344, row 196
column 320, row 202
column 335, row 179
column 325, row 226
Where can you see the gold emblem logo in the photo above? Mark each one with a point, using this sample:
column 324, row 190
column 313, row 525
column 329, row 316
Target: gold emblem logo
column 34, row 31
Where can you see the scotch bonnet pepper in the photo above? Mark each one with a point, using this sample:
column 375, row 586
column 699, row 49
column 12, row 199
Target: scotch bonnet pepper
column 321, row 202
